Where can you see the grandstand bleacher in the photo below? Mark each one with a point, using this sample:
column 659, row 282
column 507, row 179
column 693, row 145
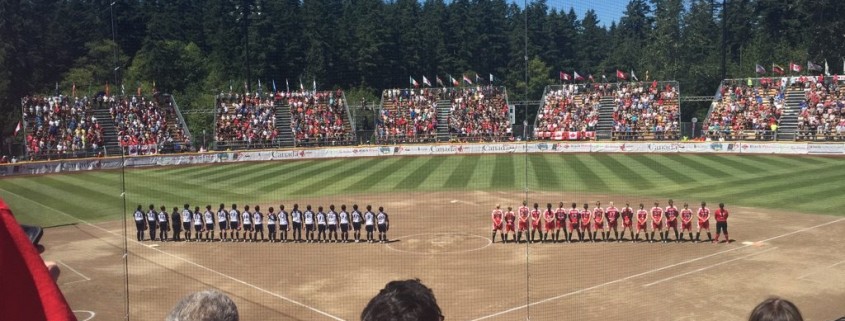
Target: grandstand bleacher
column 746, row 109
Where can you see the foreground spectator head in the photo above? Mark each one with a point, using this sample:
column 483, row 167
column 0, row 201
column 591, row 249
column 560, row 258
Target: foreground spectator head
column 407, row 300
column 775, row 309
column 209, row 305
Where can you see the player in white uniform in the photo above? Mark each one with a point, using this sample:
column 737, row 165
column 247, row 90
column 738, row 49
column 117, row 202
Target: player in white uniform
column 383, row 224
column 140, row 223
column 321, row 225
column 331, row 223
column 344, row 224
column 258, row 224
column 271, row 224
column 198, row 227
column 222, row 224
column 152, row 222
column 356, row 222
column 234, row 224
column 163, row 224
column 308, row 218
column 369, row 223
column 246, row 222
column 283, row 223
column 187, row 215
column 208, row 218
column 296, row 220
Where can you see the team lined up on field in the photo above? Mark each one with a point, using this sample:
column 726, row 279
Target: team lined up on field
column 600, row 222
column 234, row 225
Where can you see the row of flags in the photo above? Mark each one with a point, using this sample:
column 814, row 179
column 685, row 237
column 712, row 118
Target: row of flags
column 454, row 82
column 620, row 75
column 793, row 67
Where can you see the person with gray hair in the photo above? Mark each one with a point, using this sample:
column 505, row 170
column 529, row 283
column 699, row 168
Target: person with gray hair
column 208, row 305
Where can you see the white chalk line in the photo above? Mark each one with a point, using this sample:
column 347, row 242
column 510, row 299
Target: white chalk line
column 326, row 314
column 74, row 270
column 822, row 269
column 707, row 267
column 91, row 314
column 650, row 272
column 489, row 242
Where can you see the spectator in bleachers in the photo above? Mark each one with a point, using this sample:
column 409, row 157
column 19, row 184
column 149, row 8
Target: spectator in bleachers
column 822, row 115
column 246, row 120
column 319, row 118
column 408, row 115
column 570, row 108
column 60, row 126
column 145, row 126
column 479, row 113
column 641, row 109
column 746, row 112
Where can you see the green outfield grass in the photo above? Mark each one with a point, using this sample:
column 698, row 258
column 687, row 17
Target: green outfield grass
column 804, row 184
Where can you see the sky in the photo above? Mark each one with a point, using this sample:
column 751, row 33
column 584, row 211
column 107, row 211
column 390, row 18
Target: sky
column 607, row 10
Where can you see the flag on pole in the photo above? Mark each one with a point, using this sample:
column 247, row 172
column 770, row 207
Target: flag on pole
column 620, row 75
column 426, row 82
column 794, row 67
column 477, row 79
column 73, row 90
column 274, row 86
column 287, row 85
column 57, row 88
column 466, row 79
column 591, row 78
column 646, row 75
column 18, row 128
column 564, row 76
column 777, row 69
column 139, row 91
column 301, row 87
column 604, row 77
column 577, row 76
column 314, row 85
column 759, row 69
column 246, row 88
column 454, row 81
column 414, row 82
column 108, row 90
column 826, row 68
column 491, row 78
column 122, row 89
column 439, row 81
column 813, row 67
column 634, row 76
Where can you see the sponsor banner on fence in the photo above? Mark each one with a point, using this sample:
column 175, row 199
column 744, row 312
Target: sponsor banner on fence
column 709, row 147
column 826, row 148
column 773, row 148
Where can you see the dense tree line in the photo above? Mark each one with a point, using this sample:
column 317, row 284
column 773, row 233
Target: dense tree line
column 194, row 48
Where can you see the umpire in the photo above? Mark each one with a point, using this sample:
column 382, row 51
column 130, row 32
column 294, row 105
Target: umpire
column 176, row 223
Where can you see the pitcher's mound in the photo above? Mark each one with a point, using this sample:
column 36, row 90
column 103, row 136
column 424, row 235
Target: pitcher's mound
column 440, row 243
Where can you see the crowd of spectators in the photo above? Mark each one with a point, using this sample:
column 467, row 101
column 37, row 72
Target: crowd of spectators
column 569, row 108
column 822, row 115
column 61, row 126
column 746, row 111
column 143, row 125
column 408, row 115
column 641, row 110
column 319, row 118
column 249, row 121
column 479, row 114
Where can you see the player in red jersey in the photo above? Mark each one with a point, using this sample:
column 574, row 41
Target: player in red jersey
column 612, row 216
column 627, row 221
column 560, row 222
column 703, row 223
column 523, row 222
column 642, row 222
column 510, row 218
column 497, row 217
column 535, row 222
column 686, row 222
column 657, row 222
column 721, row 223
column 574, row 217
column 671, row 214
column 549, row 219
column 586, row 218
column 598, row 222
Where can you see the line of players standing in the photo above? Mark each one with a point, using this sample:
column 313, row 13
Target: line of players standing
column 590, row 224
column 231, row 223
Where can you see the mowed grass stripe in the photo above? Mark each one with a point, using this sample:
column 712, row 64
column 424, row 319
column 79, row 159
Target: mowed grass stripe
column 277, row 175
column 631, row 175
column 175, row 182
column 503, row 173
column 739, row 163
column 658, row 164
column 543, row 171
column 82, row 208
column 247, row 169
column 579, row 164
column 29, row 211
column 260, row 172
column 212, row 171
column 778, row 162
column 421, row 173
column 798, row 186
column 695, row 162
column 766, row 188
column 461, row 175
column 341, row 172
column 374, row 177
column 744, row 182
column 296, row 178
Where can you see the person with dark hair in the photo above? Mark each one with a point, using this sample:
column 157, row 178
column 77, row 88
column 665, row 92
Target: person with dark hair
column 234, row 223
column 308, row 217
column 163, row 226
column 343, row 217
column 186, row 222
column 522, row 226
column 175, row 220
column 657, row 222
column 222, row 220
column 152, row 221
column 671, row 214
column 642, row 224
column 598, row 222
column 510, row 221
column 283, row 224
column 548, row 224
column 331, row 221
column 560, row 223
column 208, row 219
column 383, row 224
column 271, row 224
column 210, row 305
column 721, row 223
column 627, row 222
column 574, row 219
column 535, row 222
column 407, row 300
column 246, row 222
column 686, row 222
column 321, row 225
column 198, row 227
column 140, row 223
column 497, row 215
column 258, row 224
column 368, row 223
column 775, row 309
column 586, row 220
column 703, row 223
column 356, row 222
column 296, row 219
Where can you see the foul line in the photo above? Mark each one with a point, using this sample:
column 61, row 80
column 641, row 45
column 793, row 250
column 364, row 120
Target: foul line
column 708, row 267
column 650, row 272
column 91, row 314
column 184, row 260
column 822, row 269
column 74, row 270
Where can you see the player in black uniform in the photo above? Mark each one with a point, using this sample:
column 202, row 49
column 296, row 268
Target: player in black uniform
column 283, row 224
column 383, row 224
column 356, row 222
column 163, row 226
column 140, row 223
column 176, row 220
column 271, row 224
column 296, row 220
column 152, row 221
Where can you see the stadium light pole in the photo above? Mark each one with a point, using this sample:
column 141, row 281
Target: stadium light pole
column 244, row 10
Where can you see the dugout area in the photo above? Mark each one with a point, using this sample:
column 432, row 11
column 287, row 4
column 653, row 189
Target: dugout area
column 440, row 233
